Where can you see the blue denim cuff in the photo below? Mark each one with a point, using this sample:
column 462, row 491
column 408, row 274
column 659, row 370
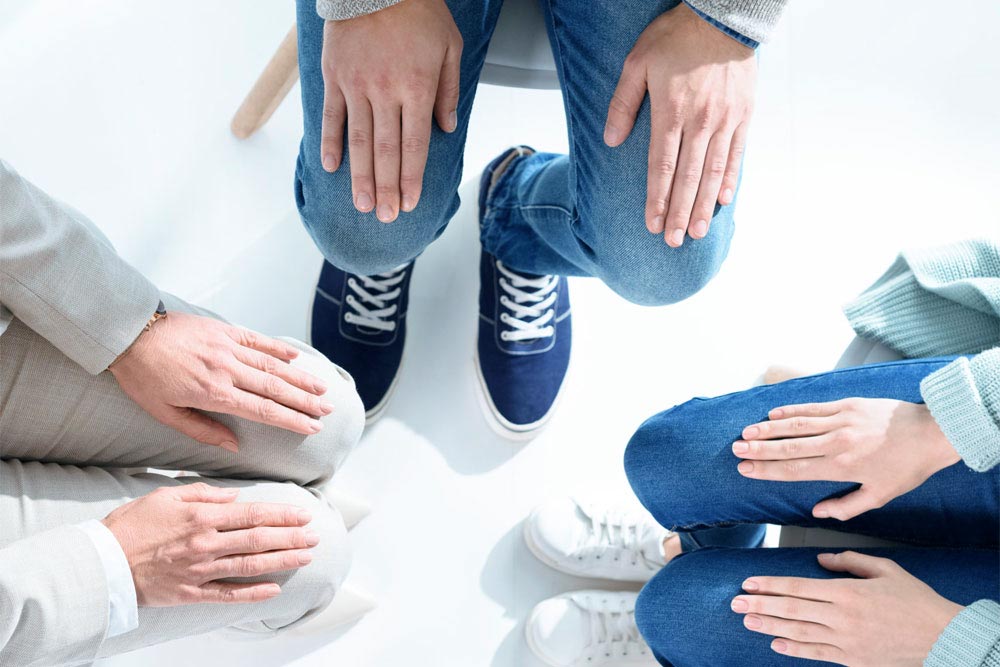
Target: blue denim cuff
column 739, row 37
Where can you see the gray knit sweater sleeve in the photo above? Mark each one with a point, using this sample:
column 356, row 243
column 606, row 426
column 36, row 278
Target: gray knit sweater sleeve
column 972, row 639
column 754, row 19
column 337, row 10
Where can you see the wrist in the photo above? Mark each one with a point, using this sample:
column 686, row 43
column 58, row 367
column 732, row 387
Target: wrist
column 144, row 334
column 942, row 453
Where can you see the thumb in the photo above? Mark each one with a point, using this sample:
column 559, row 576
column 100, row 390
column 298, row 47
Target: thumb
column 854, row 563
column 199, row 492
column 849, row 506
column 624, row 105
column 199, row 427
column 446, row 102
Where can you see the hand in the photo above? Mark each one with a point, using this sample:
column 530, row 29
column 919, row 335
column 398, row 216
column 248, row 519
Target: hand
column 887, row 618
column 701, row 86
column 180, row 540
column 186, row 363
column 889, row 447
column 386, row 74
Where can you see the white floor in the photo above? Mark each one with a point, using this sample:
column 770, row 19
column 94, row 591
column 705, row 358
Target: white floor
column 876, row 128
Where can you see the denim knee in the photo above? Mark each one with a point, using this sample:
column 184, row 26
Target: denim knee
column 642, row 268
column 358, row 242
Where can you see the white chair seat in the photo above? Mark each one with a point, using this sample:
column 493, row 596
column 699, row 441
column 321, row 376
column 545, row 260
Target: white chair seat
column 519, row 54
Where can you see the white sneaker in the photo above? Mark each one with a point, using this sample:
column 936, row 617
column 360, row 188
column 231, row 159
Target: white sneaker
column 588, row 629
column 587, row 541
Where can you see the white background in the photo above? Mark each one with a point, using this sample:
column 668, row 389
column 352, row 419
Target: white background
column 876, row 128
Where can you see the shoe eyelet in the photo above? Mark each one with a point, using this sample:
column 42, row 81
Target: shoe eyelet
column 504, row 335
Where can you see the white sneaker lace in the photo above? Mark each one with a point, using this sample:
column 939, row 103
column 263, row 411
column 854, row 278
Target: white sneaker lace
column 534, row 311
column 619, row 532
column 609, row 623
column 379, row 291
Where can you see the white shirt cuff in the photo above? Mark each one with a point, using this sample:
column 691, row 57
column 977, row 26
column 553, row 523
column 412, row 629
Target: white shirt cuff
column 123, row 609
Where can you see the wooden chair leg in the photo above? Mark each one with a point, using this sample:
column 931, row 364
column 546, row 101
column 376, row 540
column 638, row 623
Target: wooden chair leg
column 270, row 89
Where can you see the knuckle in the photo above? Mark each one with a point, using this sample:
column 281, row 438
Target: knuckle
column 269, row 364
column 791, row 447
column 717, row 167
column 791, row 468
column 358, row 139
column 412, row 145
column 255, row 516
column 246, row 566
column 274, row 386
column 254, row 540
column 386, row 191
column 666, row 165
column 619, row 106
column 266, row 411
column 386, row 149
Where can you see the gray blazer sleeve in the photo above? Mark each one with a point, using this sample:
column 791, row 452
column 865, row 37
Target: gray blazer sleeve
column 53, row 600
column 337, row 10
column 61, row 277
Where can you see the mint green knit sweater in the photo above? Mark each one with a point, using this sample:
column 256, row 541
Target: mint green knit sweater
column 946, row 301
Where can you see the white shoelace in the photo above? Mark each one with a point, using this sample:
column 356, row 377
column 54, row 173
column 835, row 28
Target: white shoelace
column 532, row 313
column 377, row 294
column 613, row 624
column 618, row 531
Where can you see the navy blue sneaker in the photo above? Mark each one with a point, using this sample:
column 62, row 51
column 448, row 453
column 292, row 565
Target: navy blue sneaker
column 359, row 323
column 525, row 335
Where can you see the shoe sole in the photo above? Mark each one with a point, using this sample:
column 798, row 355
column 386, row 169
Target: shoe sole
column 536, row 551
column 373, row 415
column 530, row 640
column 498, row 423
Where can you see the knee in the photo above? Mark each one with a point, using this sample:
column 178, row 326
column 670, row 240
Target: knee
column 321, row 455
column 643, row 269
column 358, row 242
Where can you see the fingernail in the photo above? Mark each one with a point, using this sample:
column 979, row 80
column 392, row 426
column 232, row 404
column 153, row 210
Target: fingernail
column 751, row 432
column 779, row 645
column 272, row 590
column 612, row 135
column 700, row 229
column 752, row 622
column 677, row 238
column 657, row 224
column 727, row 195
column 329, row 162
column 385, row 213
column 776, row 413
column 750, row 585
column 745, row 467
column 826, row 557
column 326, row 407
column 740, row 447
column 822, row 514
column 364, row 202
column 319, row 388
column 453, row 120
column 305, row 558
column 229, row 445
column 304, row 516
column 739, row 605
column 408, row 203
column 316, row 426
column 312, row 538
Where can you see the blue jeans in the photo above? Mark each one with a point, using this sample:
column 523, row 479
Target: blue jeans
column 575, row 215
column 681, row 466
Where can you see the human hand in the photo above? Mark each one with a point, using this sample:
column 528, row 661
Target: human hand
column 887, row 618
column 180, row 540
column 889, row 447
column 386, row 75
column 186, row 363
column 701, row 86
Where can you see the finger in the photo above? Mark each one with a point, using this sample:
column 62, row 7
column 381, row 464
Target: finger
column 265, row 411
column 821, row 652
column 387, row 138
column 359, row 146
column 711, row 181
column 664, row 145
column 779, row 450
column 801, row 631
column 685, row 187
column 416, row 140
column 625, row 102
column 737, row 146
column 448, row 88
column 199, row 492
column 285, row 371
column 273, row 387
column 261, row 343
column 332, row 132
column 229, row 593
column 853, row 504
column 793, row 470
column 200, row 427
column 242, row 516
column 259, row 540
column 860, row 565
column 820, row 590
column 792, row 427
column 256, row 565
column 793, row 609
column 806, row 410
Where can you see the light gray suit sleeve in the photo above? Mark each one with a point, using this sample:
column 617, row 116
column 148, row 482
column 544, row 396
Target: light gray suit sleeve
column 53, row 600
column 61, row 277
